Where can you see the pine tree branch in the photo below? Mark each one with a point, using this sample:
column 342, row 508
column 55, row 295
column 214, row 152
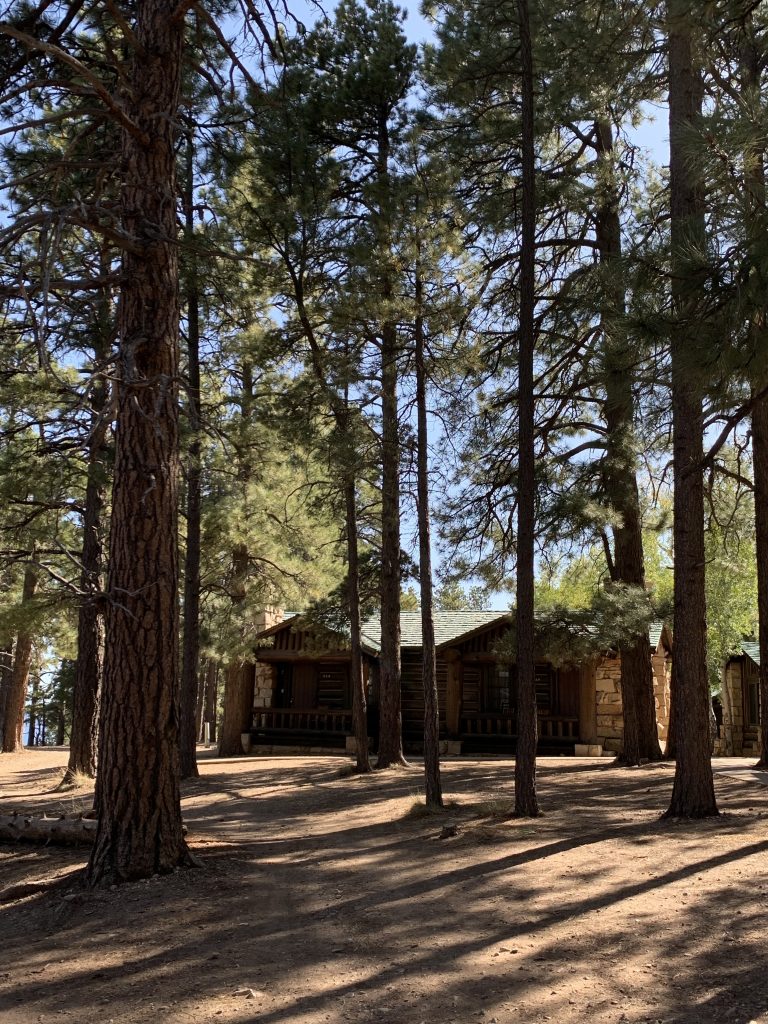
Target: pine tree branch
column 98, row 87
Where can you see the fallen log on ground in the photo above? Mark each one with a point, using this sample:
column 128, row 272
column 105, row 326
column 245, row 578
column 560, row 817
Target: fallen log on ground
column 61, row 831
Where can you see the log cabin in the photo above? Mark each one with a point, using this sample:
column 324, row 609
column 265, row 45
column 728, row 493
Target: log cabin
column 739, row 732
column 303, row 702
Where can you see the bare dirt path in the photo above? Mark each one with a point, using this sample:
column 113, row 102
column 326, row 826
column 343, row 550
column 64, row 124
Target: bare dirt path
column 324, row 897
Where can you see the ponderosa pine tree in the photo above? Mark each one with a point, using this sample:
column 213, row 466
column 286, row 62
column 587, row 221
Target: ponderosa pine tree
column 296, row 171
column 366, row 73
column 139, row 815
column 693, row 793
column 751, row 96
column 190, row 652
column 433, row 784
column 526, row 803
column 640, row 740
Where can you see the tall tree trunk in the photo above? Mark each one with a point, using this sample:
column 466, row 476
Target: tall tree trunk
column 33, row 710
column 17, row 690
column 237, row 711
column 390, row 716
column 90, row 630
column 202, row 675
column 211, row 695
column 342, row 417
column 432, row 782
column 752, row 63
column 359, row 701
column 191, row 641
column 693, row 794
column 83, row 743
column 6, row 675
column 139, row 830
column 526, row 802
column 670, row 748
column 60, row 725
column 760, row 470
column 641, row 736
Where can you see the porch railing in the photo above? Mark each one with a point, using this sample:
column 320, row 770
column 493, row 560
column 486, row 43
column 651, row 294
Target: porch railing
column 504, row 723
column 306, row 720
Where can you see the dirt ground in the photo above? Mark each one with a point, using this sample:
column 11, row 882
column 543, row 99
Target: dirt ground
column 329, row 897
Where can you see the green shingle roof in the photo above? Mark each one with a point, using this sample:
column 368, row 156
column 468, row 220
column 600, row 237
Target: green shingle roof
column 451, row 626
column 448, row 626
column 752, row 651
column 655, row 629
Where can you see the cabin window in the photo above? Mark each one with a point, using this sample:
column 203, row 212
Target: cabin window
column 499, row 684
column 545, row 687
column 498, row 688
column 333, row 686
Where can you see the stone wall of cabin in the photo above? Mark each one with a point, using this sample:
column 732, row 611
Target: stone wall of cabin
column 610, row 725
column 662, row 675
column 264, row 685
column 267, row 618
column 732, row 738
column 608, row 703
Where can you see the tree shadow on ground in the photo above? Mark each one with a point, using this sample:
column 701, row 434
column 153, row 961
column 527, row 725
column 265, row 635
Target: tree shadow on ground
column 597, row 911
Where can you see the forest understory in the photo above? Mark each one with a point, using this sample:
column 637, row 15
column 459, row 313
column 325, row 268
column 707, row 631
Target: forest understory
column 325, row 896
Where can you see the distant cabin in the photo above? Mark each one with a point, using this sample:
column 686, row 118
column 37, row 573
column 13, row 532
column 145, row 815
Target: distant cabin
column 303, row 700
column 740, row 729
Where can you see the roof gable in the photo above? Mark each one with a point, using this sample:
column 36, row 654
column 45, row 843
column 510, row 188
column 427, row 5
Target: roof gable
column 752, row 651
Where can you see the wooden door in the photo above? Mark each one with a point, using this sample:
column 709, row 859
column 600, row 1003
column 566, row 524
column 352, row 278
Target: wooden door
column 304, row 693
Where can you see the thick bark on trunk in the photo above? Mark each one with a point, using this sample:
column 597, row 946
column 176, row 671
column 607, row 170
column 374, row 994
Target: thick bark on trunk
column 17, row 689
column 693, row 794
column 359, row 701
column 526, row 802
column 83, row 744
column 237, row 710
column 237, row 714
column 432, row 782
column 390, row 716
column 191, row 640
column 641, row 737
column 140, row 831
